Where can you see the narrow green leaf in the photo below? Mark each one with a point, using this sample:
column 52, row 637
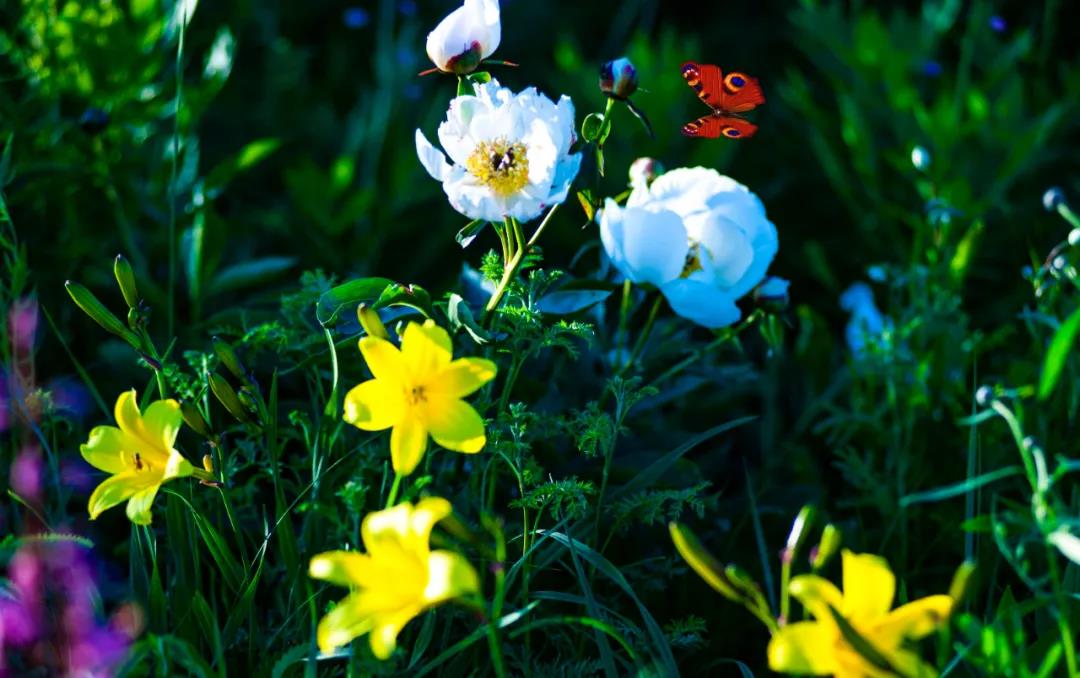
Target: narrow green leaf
column 346, row 297
column 1060, row 346
column 960, row 488
column 467, row 234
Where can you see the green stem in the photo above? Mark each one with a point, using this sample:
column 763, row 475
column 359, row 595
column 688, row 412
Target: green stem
column 511, row 267
column 624, row 316
column 515, row 369
column 639, row 345
column 494, row 644
column 1061, row 603
column 785, row 578
column 391, row 499
column 175, row 171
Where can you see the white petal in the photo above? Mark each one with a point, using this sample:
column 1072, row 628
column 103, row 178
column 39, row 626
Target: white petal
column 611, row 234
column 654, row 244
column 565, row 174
column 541, row 153
column 485, row 14
column 727, row 254
column 471, row 199
column 431, row 158
column 452, row 37
column 701, row 303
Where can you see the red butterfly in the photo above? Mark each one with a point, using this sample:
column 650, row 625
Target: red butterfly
column 728, row 96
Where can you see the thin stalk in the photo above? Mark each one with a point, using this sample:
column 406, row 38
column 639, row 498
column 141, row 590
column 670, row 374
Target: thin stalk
column 517, row 258
column 1062, row 605
column 624, row 316
column 391, row 499
column 515, row 369
column 175, row 170
column 494, row 644
column 639, row 345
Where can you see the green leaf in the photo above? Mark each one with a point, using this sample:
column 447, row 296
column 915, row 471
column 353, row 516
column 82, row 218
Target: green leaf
column 467, row 234
column 593, row 126
column 413, row 296
column 1060, row 346
column 249, row 156
column 575, row 296
column 346, row 297
column 90, row 305
column 461, row 317
column 961, row 488
column 249, row 273
column 1067, row 543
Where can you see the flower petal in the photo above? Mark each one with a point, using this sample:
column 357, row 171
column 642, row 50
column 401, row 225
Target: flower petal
column 116, row 489
column 655, row 245
column 425, row 349
column 408, row 441
column 913, row 621
column 804, row 648
column 383, row 359
column 451, row 38
column 455, row 425
column 449, row 576
column 344, row 568
column 374, row 405
column 425, row 514
column 386, row 629
column 486, row 15
column 162, row 421
column 462, row 377
column 109, row 449
column 349, row 618
column 869, row 587
column 431, row 158
column 176, row 467
column 704, row 304
column 727, row 253
column 817, row 595
column 138, row 507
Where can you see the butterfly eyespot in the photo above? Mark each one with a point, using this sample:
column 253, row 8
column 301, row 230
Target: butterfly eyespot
column 692, row 75
column 734, row 82
column 731, row 132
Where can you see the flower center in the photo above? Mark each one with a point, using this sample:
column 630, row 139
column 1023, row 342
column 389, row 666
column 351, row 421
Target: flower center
column 693, row 261
column 140, row 463
column 501, row 166
column 417, row 395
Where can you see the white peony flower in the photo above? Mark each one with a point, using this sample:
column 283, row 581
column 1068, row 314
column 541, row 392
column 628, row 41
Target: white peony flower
column 701, row 237
column 468, row 35
column 510, row 153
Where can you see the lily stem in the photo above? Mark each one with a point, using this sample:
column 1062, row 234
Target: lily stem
column 392, row 498
column 639, row 345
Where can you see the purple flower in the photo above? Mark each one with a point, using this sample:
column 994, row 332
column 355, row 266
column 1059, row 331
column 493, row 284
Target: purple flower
column 997, row 24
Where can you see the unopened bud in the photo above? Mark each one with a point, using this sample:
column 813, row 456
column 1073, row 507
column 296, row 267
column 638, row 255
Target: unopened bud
column 90, row 305
column 370, row 321
column 227, row 356
column 194, row 419
column 984, row 396
column 798, row 532
column 618, row 78
column 1052, row 198
column 920, row 158
column 644, row 171
column 226, row 395
column 125, row 278
column 826, row 548
column 772, row 294
column 962, row 582
column 208, row 463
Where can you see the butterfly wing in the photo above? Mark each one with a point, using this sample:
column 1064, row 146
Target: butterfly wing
column 707, row 81
column 739, row 93
column 716, row 126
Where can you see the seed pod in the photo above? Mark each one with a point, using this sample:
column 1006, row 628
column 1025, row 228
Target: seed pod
column 370, row 321
column 226, row 395
column 194, row 419
column 125, row 278
column 228, row 358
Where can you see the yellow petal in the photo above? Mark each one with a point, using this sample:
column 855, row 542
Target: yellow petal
column 162, row 421
column 108, row 449
column 374, row 405
column 426, row 349
column 387, row 626
column 408, row 441
column 804, row 648
column 138, row 507
column 176, row 467
column 350, row 618
column 344, row 568
column 816, row 595
column 449, row 576
column 116, row 489
column 454, row 424
column 913, row 621
column 383, row 359
column 869, row 587
column 462, row 377
column 422, row 519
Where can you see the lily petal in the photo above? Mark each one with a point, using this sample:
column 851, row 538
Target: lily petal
column 462, row 377
column 108, row 449
column 425, row 349
column 869, row 586
column 408, row 441
column 117, row 489
column 455, row 425
column 344, row 568
column 384, row 634
column 913, row 621
column 804, row 648
column 176, row 467
column 817, row 594
column 374, row 405
column 138, row 507
column 449, row 576
column 162, row 421
column 349, row 618
column 383, row 359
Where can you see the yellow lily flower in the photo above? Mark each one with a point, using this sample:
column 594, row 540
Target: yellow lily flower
column 854, row 634
column 397, row 579
column 417, row 391
column 139, row 455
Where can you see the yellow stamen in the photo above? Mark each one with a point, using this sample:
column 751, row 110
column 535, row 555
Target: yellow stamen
column 501, row 166
column 693, row 261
